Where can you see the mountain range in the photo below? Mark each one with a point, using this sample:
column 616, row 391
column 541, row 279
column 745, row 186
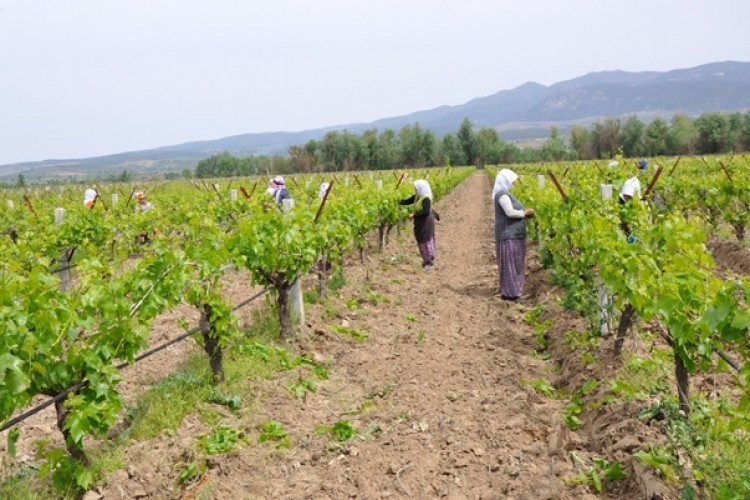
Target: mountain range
column 520, row 114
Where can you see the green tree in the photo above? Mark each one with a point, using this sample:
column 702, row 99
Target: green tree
column 581, row 143
column 370, row 145
column 417, row 146
column 300, row 160
column 554, row 147
column 605, row 136
column 745, row 136
column 713, row 133
column 124, row 176
column 656, row 137
column 734, row 132
column 21, row 181
column 451, row 150
column 508, row 153
column 632, row 137
column 388, row 150
column 487, row 150
column 682, row 136
column 467, row 139
column 343, row 151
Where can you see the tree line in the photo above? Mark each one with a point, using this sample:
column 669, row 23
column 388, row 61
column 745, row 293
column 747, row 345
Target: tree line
column 414, row 147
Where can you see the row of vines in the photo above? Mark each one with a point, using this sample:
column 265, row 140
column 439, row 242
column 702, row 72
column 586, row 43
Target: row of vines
column 660, row 272
column 79, row 292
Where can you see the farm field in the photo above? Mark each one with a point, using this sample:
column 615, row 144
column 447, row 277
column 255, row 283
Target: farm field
column 434, row 388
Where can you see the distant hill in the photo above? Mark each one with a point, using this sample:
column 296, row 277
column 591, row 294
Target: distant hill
column 523, row 113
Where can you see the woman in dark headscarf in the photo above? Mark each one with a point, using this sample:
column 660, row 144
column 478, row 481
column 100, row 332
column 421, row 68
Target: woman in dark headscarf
column 424, row 221
column 510, row 236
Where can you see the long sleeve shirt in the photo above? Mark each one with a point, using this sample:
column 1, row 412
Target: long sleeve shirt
column 426, row 205
column 507, row 205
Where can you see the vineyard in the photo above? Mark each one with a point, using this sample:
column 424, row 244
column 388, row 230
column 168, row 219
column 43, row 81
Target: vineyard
column 623, row 374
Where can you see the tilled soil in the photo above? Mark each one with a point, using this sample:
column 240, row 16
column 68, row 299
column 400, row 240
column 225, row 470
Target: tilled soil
column 439, row 393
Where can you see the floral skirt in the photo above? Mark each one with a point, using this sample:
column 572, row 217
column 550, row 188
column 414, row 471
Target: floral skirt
column 427, row 251
column 511, row 261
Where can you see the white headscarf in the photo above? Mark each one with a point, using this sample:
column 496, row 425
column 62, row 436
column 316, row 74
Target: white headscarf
column 322, row 190
column 631, row 187
column 423, row 188
column 89, row 195
column 504, row 180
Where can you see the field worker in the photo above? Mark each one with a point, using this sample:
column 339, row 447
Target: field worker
column 280, row 192
column 510, row 236
column 424, row 221
column 642, row 165
column 89, row 197
column 631, row 188
column 322, row 190
column 141, row 204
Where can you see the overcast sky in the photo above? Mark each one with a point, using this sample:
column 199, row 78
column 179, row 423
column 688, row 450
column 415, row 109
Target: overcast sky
column 81, row 78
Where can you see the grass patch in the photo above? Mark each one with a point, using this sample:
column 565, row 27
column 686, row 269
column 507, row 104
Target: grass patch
column 164, row 406
column 25, row 485
column 311, row 296
column 641, row 378
column 337, row 281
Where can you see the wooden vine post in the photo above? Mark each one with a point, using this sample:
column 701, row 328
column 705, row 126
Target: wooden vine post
column 675, row 166
column 323, row 262
column 651, row 184
column 400, row 179
column 557, row 185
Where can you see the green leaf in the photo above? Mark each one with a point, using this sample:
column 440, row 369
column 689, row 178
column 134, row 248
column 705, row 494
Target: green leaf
column 12, row 376
column 84, row 477
column 741, row 320
column 13, row 436
column 597, row 481
column 615, row 472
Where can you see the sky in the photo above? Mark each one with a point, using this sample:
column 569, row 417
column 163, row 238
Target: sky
column 82, row 78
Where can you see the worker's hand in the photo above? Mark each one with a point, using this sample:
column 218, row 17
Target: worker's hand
column 411, row 216
column 529, row 212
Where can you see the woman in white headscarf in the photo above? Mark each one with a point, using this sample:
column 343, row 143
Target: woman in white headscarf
column 510, row 236
column 630, row 189
column 424, row 222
